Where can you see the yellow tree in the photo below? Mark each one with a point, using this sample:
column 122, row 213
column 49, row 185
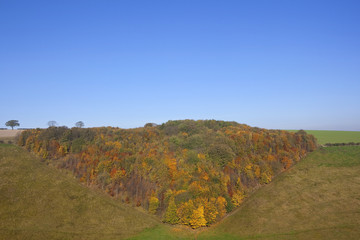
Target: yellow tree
column 185, row 212
column 221, row 205
column 153, row 204
column 198, row 218
column 210, row 211
column 237, row 198
column 171, row 215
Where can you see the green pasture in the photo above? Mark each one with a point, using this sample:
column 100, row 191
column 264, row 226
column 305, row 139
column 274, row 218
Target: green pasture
column 334, row 136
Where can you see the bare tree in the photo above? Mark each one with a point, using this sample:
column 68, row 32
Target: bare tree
column 52, row 123
column 79, row 124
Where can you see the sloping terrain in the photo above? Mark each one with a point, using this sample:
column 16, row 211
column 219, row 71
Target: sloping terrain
column 319, row 198
column 38, row 201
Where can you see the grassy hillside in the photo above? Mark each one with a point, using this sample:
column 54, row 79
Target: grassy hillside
column 319, row 198
column 40, row 202
column 334, row 136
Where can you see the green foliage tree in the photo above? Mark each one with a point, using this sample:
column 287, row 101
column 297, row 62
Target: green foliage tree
column 12, row 123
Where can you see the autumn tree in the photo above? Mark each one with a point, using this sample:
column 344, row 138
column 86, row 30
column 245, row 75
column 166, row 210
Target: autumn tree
column 210, row 211
column 153, row 204
column 170, row 215
column 221, row 205
column 12, row 123
column 237, row 198
column 185, row 211
column 197, row 218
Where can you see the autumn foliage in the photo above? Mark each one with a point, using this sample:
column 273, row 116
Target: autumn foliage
column 186, row 172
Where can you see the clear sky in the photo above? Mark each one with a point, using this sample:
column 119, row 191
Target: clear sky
column 272, row 64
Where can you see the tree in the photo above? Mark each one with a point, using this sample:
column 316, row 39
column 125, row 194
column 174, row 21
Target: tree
column 79, row 124
column 12, row 123
column 52, row 123
column 197, row 218
column 210, row 211
column 221, row 202
column 150, row 125
column 185, row 211
column 170, row 215
column 153, row 204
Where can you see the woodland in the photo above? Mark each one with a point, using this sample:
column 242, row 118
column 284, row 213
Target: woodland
column 185, row 172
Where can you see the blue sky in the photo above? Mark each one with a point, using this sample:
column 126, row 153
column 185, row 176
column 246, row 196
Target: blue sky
column 271, row 64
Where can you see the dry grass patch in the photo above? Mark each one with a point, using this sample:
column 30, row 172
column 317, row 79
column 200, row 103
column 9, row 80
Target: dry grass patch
column 8, row 136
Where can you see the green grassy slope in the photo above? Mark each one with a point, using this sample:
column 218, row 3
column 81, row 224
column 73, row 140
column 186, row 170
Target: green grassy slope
column 319, row 198
column 40, row 202
column 334, row 136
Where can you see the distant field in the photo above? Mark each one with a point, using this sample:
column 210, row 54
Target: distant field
column 40, row 202
column 334, row 136
column 9, row 135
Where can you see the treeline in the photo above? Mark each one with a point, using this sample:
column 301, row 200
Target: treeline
column 187, row 172
column 342, row 144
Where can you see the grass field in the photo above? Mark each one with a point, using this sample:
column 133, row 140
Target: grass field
column 334, row 136
column 40, row 202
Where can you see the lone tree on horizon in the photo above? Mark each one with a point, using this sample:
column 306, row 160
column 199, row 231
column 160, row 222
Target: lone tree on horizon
column 52, row 123
column 79, row 124
column 12, row 123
